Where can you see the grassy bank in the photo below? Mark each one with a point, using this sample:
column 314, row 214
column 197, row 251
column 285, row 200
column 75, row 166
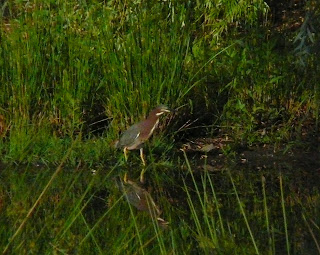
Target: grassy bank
column 95, row 67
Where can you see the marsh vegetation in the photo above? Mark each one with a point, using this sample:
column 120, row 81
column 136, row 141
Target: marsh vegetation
column 235, row 170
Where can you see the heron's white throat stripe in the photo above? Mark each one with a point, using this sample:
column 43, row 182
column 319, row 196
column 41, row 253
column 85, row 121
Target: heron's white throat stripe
column 155, row 125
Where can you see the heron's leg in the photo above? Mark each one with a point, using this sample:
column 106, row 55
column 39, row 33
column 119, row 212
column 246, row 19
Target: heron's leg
column 144, row 166
column 125, row 178
column 125, row 151
column 142, row 175
column 142, row 157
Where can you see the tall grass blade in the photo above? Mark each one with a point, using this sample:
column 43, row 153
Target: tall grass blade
column 311, row 233
column 265, row 206
column 284, row 215
column 243, row 214
column 36, row 203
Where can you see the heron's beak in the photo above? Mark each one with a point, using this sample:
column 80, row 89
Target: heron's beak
column 172, row 110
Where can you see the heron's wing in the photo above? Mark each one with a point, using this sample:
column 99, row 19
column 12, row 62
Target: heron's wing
column 129, row 136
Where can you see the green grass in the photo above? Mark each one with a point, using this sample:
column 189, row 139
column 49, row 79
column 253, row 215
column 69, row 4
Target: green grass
column 74, row 74
column 99, row 66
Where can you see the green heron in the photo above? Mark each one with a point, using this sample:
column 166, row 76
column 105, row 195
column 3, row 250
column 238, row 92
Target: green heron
column 136, row 135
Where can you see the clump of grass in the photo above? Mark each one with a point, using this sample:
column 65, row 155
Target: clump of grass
column 265, row 221
column 66, row 63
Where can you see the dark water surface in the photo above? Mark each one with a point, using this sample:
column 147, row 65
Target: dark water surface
column 258, row 200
